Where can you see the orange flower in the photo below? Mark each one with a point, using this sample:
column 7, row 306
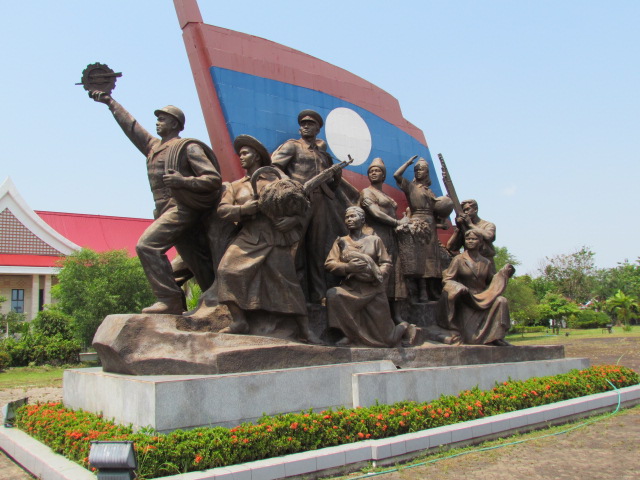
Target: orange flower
column 198, row 459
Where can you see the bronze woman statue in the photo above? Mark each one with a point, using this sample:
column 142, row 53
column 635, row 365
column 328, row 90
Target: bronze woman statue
column 257, row 271
column 471, row 305
column 359, row 306
column 422, row 202
column 380, row 212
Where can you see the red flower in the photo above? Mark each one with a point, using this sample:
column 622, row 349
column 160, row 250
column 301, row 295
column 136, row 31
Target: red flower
column 198, row 459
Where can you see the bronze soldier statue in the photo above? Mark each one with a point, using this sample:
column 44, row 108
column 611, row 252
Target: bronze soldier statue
column 303, row 159
column 470, row 220
column 185, row 183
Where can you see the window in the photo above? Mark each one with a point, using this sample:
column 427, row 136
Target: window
column 17, row 300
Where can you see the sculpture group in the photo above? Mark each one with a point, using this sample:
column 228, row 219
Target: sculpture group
column 292, row 232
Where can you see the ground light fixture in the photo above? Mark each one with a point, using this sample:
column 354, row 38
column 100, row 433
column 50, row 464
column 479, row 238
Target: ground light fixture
column 9, row 411
column 114, row 460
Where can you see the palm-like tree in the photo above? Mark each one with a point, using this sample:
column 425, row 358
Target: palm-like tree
column 623, row 306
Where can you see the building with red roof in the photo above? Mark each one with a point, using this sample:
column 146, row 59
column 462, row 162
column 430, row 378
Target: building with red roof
column 32, row 244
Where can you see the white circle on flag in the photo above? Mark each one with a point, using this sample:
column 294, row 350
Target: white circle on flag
column 348, row 134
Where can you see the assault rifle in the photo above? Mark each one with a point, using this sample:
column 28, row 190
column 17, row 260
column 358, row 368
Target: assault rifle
column 451, row 190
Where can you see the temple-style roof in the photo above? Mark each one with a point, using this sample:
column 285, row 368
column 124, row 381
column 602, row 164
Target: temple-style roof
column 33, row 242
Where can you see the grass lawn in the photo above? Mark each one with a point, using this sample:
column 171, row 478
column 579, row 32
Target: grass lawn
column 25, row 377
column 542, row 338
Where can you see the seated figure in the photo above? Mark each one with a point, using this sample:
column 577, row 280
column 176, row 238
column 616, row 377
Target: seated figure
column 471, row 306
column 359, row 307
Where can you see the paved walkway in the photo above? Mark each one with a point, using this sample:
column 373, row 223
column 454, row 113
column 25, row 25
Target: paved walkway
column 605, row 450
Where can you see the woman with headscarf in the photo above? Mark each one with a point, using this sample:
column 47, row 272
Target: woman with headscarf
column 471, row 305
column 380, row 212
column 257, row 271
column 422, row 202
column 358, row 307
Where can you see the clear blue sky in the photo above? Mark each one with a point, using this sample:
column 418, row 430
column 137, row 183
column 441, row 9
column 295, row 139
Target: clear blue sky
column 535, row 104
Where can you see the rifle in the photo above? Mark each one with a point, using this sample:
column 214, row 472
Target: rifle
column 451, row 190
column 326, row 175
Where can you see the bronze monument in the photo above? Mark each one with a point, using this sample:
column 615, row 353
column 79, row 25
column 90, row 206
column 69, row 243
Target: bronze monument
column 302, row 159
column 380, row 212
column 185, row 182
column 471, row 307
column 423, row 204
column 359, row 307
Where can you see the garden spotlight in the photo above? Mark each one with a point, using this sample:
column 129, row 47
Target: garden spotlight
column 114, row 460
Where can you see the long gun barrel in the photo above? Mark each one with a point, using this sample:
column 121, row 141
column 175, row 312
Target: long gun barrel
column 326, row 175
column 451, row 190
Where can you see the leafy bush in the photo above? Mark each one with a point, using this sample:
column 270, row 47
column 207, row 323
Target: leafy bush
column 5, row 359
column 527, row 329
column 589, row 319
column 70, row 432
column 39, row 349
column 92, row 285
column 53, row 322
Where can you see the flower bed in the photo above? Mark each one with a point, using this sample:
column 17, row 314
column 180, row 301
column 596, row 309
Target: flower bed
column 70, row 432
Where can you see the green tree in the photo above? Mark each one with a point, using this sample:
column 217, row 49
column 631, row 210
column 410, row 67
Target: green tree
column 557, row 307
column 625, row 277
column 523, row 304
column 503, row 256
column 572, row 275
column 93, row 285
column 623, row 306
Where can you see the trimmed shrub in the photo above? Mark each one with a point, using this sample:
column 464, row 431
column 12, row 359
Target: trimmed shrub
column 5, row 359
column 39, row 349
column 589, row 319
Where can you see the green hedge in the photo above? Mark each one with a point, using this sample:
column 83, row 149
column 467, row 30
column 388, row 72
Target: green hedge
column 69, row 432
column 526, row 329
column 589, row 319
column 39, row 349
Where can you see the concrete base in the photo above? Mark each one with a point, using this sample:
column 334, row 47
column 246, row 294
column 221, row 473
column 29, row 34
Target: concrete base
column 169, row 402
column 424, row 384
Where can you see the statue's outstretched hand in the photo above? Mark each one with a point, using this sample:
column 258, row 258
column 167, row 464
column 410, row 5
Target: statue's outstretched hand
column 100, row 97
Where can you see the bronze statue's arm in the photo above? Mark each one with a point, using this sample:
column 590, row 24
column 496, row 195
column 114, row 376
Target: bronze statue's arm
column 138, row 135
column 227, row 209
column 384, row 260
column 333, row 263
column 372, row 208
column 398, row 175
column 488, row 231
column 206, row 177
column 283, row 155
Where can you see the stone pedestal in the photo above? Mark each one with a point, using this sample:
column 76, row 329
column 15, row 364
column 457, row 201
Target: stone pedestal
column 169, row 402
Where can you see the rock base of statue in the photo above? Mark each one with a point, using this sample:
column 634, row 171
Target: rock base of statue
column 170, row 344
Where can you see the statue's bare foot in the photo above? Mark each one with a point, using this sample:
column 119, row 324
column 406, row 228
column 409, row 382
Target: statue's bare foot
column 501, row 343
column 344, row 342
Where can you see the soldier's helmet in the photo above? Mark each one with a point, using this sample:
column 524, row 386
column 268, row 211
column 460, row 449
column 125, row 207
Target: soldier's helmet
column 175, row 112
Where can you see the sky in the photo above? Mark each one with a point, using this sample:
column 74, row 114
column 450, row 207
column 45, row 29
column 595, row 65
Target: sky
column 535, row 105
